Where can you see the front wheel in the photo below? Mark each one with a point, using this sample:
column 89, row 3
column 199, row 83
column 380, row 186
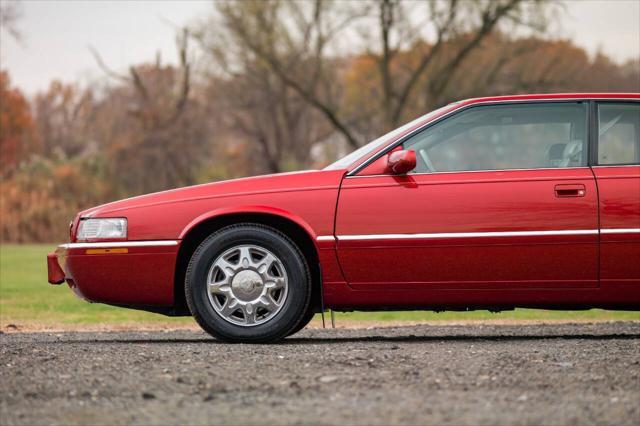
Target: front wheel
column 248, row 283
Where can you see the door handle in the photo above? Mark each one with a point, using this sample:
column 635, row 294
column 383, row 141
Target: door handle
column 575, row 190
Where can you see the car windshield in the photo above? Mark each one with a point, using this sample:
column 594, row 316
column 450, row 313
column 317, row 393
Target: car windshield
column 349, row 159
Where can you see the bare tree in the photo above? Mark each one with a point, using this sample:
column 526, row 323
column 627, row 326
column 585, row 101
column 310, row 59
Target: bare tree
column 10, row 14
column 260, row 107
column 274, row 121
column 291, row 39
column 64, row 115
column 311, row 38
column 156, row 124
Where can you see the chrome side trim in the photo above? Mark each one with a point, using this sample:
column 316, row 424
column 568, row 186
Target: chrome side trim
column 467, row 235
column 325, row 238
column 620, row 231
column 471, row 171
column 112, row 244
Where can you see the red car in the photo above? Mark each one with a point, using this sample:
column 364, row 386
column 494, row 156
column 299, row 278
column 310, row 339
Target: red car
column 491, row 203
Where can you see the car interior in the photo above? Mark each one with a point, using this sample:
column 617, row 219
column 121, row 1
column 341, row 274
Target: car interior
column 504, row 137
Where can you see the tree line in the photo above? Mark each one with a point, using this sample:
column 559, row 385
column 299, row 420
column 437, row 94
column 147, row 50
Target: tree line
column 272, row 86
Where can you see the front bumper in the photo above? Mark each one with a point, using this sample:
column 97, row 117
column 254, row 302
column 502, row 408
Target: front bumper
column 128, row 272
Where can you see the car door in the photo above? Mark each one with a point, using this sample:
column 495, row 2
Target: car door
column 617, row 172
column 501, row 197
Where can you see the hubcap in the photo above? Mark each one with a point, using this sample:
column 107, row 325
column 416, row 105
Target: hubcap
column 247, row 285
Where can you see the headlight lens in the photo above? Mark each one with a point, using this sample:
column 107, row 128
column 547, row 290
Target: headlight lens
column 102, row 229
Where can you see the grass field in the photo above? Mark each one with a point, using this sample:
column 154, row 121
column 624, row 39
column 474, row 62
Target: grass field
column 27, row 299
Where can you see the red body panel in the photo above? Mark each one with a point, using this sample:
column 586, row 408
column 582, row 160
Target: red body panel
column 452, row 259
column 619, row 189
column 308, row 198
column 143, row 276
column 459, row 203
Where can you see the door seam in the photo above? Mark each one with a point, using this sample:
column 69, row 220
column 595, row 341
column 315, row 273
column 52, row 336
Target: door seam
column 598, row 252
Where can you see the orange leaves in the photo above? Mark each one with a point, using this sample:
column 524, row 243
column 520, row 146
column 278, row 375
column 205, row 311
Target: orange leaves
column 38, row 202
column 17, row 132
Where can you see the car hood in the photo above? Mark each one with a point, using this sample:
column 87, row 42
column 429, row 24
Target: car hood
column 280, row 182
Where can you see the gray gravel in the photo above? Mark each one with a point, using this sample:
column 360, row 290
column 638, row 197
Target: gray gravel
column 534, row 374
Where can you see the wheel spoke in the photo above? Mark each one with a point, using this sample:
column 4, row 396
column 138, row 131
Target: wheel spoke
column 230, row 306
column 245, row 257
column 275, row 283
column 267, row 302
column 266, row 263
column 221, row 287
column 226, row 267
column 249, row 313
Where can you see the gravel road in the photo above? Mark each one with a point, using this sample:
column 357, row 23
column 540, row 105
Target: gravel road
column 519, row 374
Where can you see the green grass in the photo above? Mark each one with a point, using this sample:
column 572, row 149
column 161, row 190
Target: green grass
column 27, row 298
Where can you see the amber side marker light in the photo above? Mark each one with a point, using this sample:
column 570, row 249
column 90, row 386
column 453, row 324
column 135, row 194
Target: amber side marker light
column 107, row 251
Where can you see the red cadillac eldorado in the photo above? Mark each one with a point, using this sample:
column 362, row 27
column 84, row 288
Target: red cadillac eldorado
column 489, row 203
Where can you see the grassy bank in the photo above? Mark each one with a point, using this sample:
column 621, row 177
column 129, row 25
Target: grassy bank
column 26, row 298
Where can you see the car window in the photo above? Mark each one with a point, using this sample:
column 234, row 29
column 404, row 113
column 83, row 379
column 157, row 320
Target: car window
column 618, row 133
column 349, row 159
column 500, row 137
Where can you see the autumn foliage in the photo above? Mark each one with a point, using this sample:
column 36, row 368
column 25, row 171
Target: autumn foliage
column 17, row 128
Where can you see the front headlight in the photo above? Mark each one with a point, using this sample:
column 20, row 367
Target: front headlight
column 112, row 228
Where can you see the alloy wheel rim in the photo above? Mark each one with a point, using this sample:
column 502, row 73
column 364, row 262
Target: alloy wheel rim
column 247, row 285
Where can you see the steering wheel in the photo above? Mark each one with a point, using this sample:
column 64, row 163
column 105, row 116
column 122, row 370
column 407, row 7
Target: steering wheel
column 426, row 160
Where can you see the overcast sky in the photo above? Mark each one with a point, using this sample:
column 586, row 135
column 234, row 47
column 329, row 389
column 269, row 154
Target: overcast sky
column 57, row 35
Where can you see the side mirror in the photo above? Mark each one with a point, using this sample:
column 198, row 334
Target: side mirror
column 401, row 162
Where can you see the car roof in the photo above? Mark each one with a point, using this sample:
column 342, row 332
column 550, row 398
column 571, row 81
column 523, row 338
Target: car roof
column 543, row 96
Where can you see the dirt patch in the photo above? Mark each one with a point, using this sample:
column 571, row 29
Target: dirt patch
column 38, row 327
column 471, row 374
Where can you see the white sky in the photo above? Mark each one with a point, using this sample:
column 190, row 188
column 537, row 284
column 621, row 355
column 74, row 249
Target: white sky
column 57, row 35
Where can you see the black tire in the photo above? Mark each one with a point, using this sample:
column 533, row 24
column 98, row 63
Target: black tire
column 305, row 321
column 296, row 304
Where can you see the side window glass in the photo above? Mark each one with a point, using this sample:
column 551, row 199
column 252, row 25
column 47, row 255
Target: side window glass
column 502, row 137
column 618, row 133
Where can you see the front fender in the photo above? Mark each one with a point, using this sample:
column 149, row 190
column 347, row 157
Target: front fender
column 250, row 209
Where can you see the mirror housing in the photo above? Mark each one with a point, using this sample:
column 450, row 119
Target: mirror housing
column 401, row 162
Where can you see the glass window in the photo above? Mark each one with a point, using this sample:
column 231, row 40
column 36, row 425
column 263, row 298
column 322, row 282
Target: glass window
column 346, row 161
column 499, row 137
column 618, row 133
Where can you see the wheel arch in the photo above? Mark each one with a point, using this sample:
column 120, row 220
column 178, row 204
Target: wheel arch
column 200, row 228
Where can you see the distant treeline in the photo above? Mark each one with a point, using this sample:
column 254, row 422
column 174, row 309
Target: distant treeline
column 271, row 86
